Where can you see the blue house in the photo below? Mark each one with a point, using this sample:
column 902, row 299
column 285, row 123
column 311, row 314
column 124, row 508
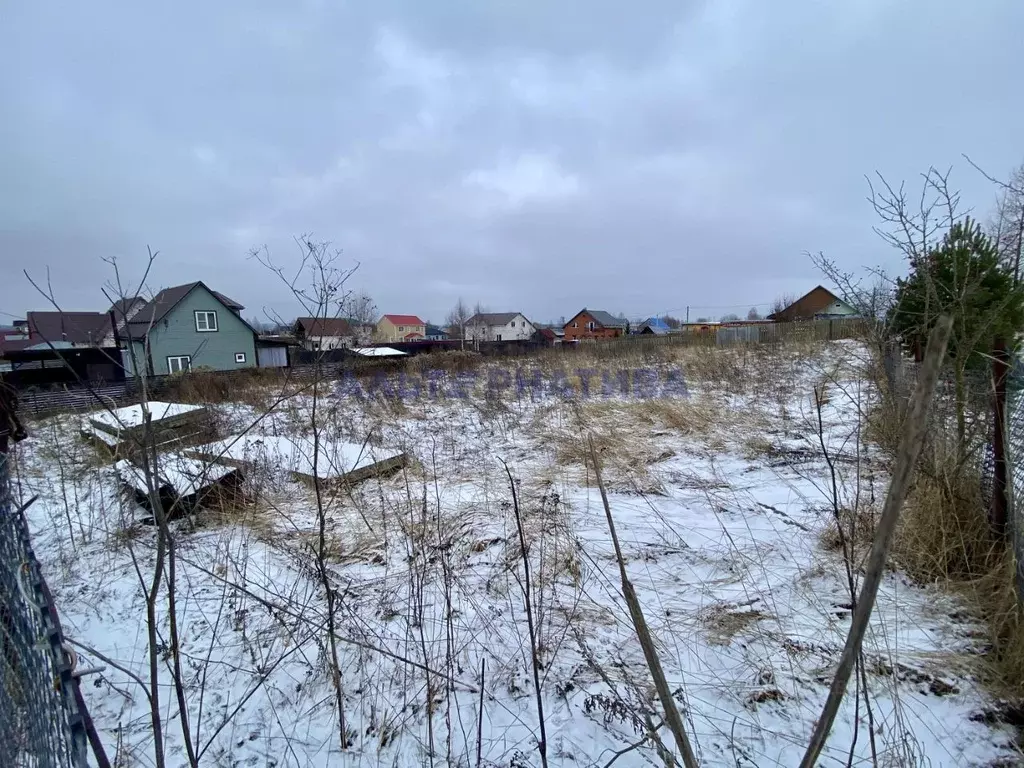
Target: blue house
column 653, row 325
column 185, row 327
column 436, row 333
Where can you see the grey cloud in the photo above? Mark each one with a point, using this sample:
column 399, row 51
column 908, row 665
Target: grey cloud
column 536, row 156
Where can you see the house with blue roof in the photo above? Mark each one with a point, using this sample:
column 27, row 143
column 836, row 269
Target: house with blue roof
column 653, row 325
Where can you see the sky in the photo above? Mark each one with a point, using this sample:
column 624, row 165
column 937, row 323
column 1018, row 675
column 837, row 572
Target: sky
column 532, row 156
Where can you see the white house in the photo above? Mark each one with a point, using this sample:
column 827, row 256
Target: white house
column 499, row 326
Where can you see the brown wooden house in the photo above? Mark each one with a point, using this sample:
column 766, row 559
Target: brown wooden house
column 819, row 303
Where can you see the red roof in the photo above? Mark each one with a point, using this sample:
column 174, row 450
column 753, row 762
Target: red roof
column 404, row 320
column 413, row 336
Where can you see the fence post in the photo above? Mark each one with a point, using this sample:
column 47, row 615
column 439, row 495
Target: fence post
column 1000, row 488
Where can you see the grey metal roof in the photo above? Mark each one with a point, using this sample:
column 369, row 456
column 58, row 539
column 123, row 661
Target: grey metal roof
column 493, row 318
column 607, row 319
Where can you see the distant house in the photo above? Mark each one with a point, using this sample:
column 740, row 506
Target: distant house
column 323, row 333
column 819, row 303
column 392, row 328
column 499, row 326
column 436, row 333
column 67, row 330
column 186, row 327
column 548, row 336
column 653, row 326
column 593, row 324
column 50, row 348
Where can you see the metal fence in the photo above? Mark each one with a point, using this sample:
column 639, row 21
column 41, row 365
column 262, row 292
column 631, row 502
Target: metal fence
column 43, row 720
column 1015, row 461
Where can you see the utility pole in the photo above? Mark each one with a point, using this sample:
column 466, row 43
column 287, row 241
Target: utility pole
column 687, row 314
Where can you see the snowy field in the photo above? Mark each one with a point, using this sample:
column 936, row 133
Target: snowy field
column 723, row 506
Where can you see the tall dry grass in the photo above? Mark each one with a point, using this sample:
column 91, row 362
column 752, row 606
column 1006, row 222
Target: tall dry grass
column 944, row 536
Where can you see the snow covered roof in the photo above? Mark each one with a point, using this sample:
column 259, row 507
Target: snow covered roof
column 334, row 459
column 378, row 352
column 183, row 473
column 132, row 415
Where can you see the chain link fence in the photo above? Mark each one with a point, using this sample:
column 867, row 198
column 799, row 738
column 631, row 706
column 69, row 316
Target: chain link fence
column 1015, row 461
column 43, row 720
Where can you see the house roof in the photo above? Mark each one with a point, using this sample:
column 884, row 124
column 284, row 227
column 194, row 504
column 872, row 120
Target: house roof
column 436, row 330
column 606, row 319
column 656, row 324
column 493, row 318
column 547, row 333
column 413, row 336
column 123, row 308
column 14, row 337
column 404, row 320
column 324, row 326
column 70, row 327
column 157, row 308
column 821, row 296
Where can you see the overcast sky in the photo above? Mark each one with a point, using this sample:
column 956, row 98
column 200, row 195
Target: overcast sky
column 537, row 156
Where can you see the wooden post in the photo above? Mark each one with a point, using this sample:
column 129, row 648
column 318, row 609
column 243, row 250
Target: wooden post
column 1000, row 503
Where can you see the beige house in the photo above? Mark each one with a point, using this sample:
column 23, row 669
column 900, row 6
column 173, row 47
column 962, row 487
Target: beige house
column 392, row 328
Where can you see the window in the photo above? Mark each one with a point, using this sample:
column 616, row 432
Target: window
column 401, row 329
column 206, row 321
column 179, row 364
column 499, row 337
column 239, row 357
column 574, row 324
column 590, row 325
column 513, row 323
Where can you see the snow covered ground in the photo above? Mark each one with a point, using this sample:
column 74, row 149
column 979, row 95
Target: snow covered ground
column 722, row 503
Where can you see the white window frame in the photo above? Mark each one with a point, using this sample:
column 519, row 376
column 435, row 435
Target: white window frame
column 590, row 325
column 574, row 324
column 239, row 357
column 205, row 314
column 181, row 369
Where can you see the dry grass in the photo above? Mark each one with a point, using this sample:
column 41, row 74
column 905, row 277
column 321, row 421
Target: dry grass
column 858, row 527
column 254, row 386
column 723, row 621
column 944, row 537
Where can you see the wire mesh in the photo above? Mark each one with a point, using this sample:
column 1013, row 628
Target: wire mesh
column 42, row 720
column 1015, row 461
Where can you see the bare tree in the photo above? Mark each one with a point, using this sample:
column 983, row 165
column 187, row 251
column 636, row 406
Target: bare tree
column 457, row 320
column 363, row 316
column 1007, row 227
column 324, row 296
column 753, row 314
column 781, row 302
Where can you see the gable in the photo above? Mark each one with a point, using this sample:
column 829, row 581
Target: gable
column 600, row 318
column 168, row 300
column 811, row 303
